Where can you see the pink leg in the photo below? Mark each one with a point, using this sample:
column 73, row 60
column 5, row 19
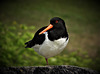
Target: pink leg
column 46, row 60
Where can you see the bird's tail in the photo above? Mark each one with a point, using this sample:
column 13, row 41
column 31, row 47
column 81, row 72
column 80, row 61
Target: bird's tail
column 29, row 44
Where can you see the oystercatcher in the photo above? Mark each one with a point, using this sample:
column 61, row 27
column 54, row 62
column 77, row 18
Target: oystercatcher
column 50, row 40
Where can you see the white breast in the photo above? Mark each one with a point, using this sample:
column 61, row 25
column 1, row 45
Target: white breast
column 51, row 48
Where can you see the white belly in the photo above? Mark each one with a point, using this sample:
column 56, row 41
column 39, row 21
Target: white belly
column 51, row 48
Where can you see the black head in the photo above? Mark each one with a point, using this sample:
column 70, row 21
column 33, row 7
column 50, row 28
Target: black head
column 58, row 30
column 57, row 22
column 57, row 25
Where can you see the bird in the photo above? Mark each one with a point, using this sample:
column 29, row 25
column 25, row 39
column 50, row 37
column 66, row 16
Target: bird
column 50, row 40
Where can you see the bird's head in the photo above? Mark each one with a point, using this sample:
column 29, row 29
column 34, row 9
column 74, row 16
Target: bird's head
column 55, row 22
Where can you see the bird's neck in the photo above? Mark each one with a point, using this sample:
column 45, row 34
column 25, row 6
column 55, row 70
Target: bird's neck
column 57, row 33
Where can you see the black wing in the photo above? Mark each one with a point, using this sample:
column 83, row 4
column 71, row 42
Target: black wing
column 37, row 39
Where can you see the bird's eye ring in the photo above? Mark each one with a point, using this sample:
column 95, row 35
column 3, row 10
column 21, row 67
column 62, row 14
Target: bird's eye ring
column 56, row 21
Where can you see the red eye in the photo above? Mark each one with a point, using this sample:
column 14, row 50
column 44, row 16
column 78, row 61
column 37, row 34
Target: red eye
column 56, row 21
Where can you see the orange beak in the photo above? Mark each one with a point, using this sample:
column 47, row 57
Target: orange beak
column 46, row 29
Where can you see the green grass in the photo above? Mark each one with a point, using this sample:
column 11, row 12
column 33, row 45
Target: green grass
column 20, row 19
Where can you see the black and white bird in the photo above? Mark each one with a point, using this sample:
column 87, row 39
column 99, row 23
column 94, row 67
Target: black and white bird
column 50, row 40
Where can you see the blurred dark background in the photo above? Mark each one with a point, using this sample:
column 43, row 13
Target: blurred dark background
column 20, row 19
